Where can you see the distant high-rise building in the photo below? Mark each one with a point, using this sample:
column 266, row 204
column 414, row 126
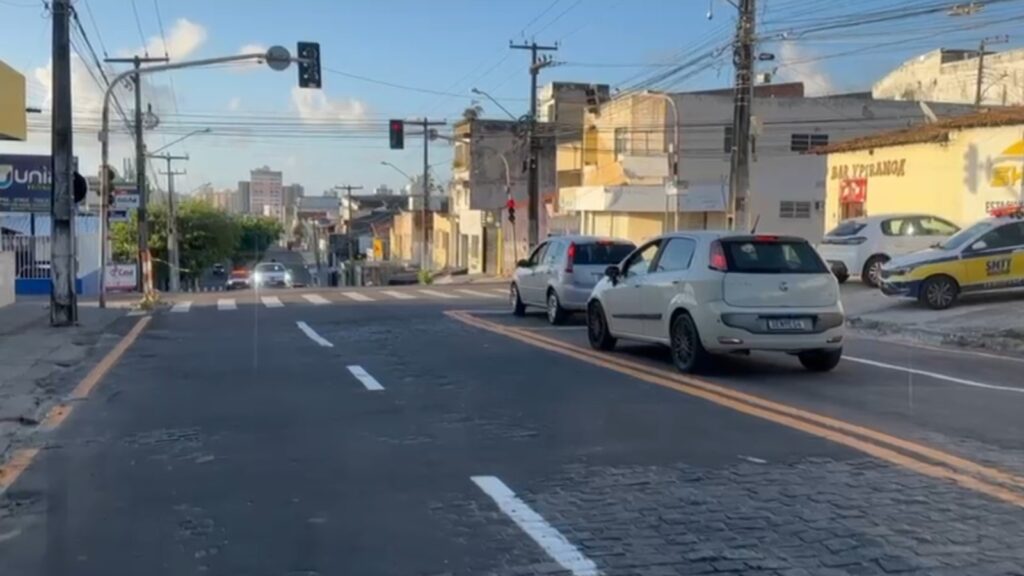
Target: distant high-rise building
column 266, row 195
column 243, row 197
column 383, row 190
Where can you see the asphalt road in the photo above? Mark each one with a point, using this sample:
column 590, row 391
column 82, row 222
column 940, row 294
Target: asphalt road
column 303, row 432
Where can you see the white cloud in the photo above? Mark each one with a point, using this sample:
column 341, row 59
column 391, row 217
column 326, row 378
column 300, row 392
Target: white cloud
column 315, row 105
column 184, row 38
column 235, row 104
column 794, row 66
column 248, row 65
column 252, row 49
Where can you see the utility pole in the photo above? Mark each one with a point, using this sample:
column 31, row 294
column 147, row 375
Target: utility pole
column 63, row 300
column 537, row 63
column 985, row 42
column 425, row 123
column 348, row 228
column 743, row 60
column 173, row 259
column 145, row 282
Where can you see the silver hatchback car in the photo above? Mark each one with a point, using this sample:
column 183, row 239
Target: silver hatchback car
column 562, row 271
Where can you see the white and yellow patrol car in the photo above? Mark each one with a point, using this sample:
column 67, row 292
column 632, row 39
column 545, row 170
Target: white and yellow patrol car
column 986, row 256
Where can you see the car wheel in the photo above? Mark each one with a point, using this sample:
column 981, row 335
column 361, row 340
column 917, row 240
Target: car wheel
column 688, row 354
column 821, row 360
column 872, row 273
column 842, row 278
column 939, row 292
column 518, row 308
column 556, row 314
column 597, row 328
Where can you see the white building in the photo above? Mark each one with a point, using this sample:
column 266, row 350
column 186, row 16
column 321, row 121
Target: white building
column 951, row 76
column 266, row 196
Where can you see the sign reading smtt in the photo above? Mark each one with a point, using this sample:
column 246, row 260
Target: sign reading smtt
column 881, row 168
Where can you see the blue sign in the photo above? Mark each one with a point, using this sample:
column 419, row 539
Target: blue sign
column 25, row 183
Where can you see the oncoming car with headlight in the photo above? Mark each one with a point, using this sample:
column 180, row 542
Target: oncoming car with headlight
column 986, row 256
column 272, row 274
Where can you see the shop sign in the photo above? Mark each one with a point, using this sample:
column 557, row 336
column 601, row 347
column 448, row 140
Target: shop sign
column 870, row 170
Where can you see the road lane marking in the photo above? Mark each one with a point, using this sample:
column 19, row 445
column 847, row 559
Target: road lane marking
column 502, row 291
column 271, row 301
column 398, row 295
column 358, row 297
column 363, row 376
column 100, row 370
column 226, row 304
column 536, row 527
column 478, row 293
column 56, row 416
column 437, row 294
column 138, row 312
column 960, row 470
column 752, row 459
column 19, row 462
column 182, row 306
column 934, row 375
column 313, row 335
column 929, row 347
column 316, row 299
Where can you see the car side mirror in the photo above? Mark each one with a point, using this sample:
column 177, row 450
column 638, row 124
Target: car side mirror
column 523, row 264
column 613, row 273
column 979, row 245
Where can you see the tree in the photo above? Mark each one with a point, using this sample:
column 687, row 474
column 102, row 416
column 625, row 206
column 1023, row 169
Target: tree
column 257, row 233
column 206, row 236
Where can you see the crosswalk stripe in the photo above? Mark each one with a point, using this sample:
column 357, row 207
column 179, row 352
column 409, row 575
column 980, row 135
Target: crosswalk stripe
column 357, row 296
column 478, row 293
column 502, row 291
column 398, row 295
column 271, row 301
column 226, row 304
column 316, row 299
column 182, row 306
column 437, row 294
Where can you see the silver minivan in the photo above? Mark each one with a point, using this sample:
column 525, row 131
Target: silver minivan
column 561, row 272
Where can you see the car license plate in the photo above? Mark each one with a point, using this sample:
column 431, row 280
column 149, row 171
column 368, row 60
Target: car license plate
column 789, row 324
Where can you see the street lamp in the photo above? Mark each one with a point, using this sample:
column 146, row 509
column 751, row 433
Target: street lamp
column 185, row 137
column 396, row 169
column 673, row 157
column 496, row 103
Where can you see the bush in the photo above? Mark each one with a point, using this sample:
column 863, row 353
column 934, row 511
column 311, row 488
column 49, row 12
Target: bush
column 425, row 277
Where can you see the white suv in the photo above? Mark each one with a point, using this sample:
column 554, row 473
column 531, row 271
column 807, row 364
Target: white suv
column 704, row 293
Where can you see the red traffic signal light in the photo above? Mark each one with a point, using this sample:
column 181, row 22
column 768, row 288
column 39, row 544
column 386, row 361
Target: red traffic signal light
column 396, row 131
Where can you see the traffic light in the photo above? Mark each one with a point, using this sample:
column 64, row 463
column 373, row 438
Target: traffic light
column 80, row 188
column 309, row 64
column 511, row 205
column 396, row 130
column 108, row 175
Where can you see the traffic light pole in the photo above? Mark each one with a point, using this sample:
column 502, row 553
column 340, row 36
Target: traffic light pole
column 173, row 260
column 537, row 63
column 63, row 300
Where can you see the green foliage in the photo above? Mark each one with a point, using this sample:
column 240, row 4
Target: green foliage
column 257, row 233
column 425, row 277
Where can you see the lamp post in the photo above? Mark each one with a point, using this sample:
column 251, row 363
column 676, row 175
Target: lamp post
column 496, row 103
column 185, row 137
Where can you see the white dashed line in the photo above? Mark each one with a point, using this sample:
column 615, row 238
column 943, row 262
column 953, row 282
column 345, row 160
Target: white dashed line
column 363, row 376
column 358, row 297
column 271, row 301
column 935, row 375
column 313, row 335
column 226, row 304
column 398, row 295
column 544, row 534
column 316, row 299
column 182, row 306
column 478, row 293
column 437, row 294
column 139, row 312
column 752, row 459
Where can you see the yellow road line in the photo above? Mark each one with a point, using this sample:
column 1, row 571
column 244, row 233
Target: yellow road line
column 809, row 422
column 20, row 460
column 100, row 370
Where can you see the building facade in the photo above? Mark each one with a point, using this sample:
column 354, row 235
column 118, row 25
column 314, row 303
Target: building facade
column 958, row 169
column 224, row 200
column 266, row 195
column 952, row 76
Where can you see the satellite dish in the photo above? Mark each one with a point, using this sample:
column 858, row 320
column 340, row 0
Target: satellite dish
column 278, row 58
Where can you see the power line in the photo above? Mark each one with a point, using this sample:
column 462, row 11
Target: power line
column 138, row 26
column 92, row 19
column 405, row 86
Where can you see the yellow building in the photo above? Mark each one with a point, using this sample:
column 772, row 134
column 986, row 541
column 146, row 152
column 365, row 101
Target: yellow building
column 13, row 125
column 958, row 169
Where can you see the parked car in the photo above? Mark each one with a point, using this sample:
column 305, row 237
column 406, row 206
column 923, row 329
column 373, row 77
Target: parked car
column 704, row 292
column 272, row 274
column 218, row 269
column 859, row 247
column 238, row 279
column 561, row 272
column 987, row 256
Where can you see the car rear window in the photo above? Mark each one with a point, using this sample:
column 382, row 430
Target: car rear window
column 848, row 228
column 601, row 253
column 772, row 257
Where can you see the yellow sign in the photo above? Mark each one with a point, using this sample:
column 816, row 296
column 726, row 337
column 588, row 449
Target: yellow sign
column 378, row 249
column 13, row 124
column 1008, row 168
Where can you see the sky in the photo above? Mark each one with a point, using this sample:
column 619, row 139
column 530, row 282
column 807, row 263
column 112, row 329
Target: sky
column 409, row 58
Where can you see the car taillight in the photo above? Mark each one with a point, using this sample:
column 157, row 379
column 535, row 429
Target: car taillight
column 766, row 238
column 852, row 241
column 569, row 257
column 716, row 258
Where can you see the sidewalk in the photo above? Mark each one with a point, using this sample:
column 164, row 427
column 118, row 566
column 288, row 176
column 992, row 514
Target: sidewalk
column 989, row 322
column 36, row 359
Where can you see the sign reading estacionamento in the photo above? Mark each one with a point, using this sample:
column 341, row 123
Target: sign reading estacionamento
column 25, row 183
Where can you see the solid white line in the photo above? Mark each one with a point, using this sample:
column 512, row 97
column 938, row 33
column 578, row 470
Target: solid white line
column 544, row 534
column 398, row 295
column 363, row 376
column 357, row 296
column 182, row 306
column 478, row 293
column 437, row 294
column 502, row 291
column 139, row 312
column 316, row 299
column 313, row 335
column 271, row 301
column 935, row 375
column 226, row 304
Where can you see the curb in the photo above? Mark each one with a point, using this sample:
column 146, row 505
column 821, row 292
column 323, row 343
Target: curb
column 1005, row 341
